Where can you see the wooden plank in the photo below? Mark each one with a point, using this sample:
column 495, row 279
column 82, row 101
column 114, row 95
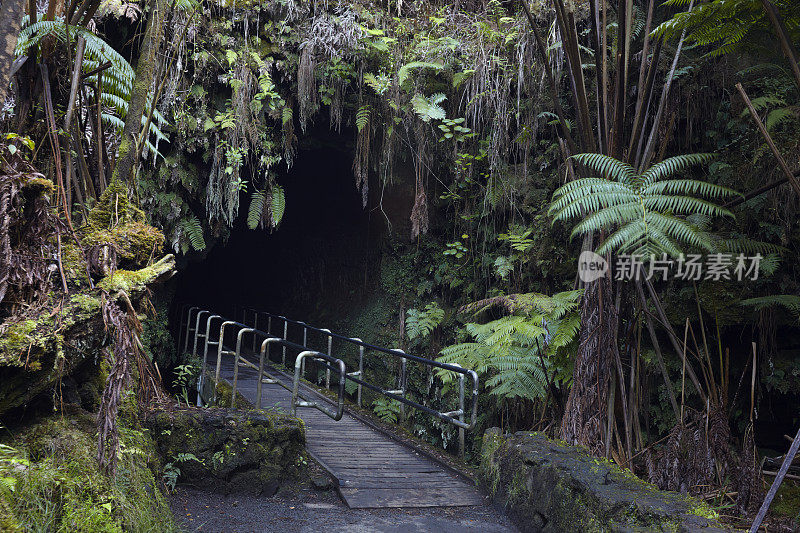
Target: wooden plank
column 373, row 470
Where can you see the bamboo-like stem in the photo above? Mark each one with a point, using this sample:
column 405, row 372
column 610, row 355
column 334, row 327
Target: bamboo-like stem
column 683, row 371
column 671, row 335
column 645, row 95
column 650, row 146
column 781, row 162
column 73, row 96
column 783, row 36
column 659, row 358
column 551, row 84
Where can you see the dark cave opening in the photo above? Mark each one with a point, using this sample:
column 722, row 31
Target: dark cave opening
column 317, row 263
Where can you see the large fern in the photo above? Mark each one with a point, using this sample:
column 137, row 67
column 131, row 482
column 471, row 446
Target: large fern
column 515, row 354
column 790, row 302
column 255, row 215
column 726, row 25
column 646, row 213
column 428, row 108
column 193, row 232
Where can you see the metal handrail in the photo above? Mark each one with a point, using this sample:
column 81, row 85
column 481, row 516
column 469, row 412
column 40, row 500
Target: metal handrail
column 297, row 399
column 398, row 394
column 456, row 417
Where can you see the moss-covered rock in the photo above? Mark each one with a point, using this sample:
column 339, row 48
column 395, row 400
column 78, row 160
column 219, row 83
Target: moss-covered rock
column 114, row 208
column 132, row 281
column 35, row 353
column 549, row 486
column 134, row 242
column 50, row 480
column 230, row 450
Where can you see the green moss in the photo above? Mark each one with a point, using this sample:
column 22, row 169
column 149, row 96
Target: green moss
column 16, row 341
column 114, row 208
column 86, row 303
column 40, row 186
column 74, row 264
column 134, row 241
column 57, row 485
column 132, row 280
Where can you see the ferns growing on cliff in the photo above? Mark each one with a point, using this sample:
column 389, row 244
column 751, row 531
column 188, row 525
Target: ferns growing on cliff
column 421, row 322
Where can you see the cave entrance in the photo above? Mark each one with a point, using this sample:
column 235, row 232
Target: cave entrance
column 316, row 265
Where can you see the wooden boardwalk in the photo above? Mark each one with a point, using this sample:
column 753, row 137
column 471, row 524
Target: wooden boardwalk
column 371, row 469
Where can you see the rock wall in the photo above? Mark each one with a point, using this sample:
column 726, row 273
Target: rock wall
column 230, row 450
column 548, row 486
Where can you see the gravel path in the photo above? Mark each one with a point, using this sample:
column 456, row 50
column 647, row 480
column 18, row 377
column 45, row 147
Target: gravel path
column 308, row 510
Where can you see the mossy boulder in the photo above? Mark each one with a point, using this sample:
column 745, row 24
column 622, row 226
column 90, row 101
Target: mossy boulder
column 37, row 352
column 549, row 486
column 50, row 479
column 230, row 450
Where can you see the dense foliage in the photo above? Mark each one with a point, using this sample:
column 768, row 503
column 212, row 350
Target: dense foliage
column 522, row 134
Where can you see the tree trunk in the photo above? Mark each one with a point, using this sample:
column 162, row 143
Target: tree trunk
column 127, row 155
column 587, row 406
column 11, row 12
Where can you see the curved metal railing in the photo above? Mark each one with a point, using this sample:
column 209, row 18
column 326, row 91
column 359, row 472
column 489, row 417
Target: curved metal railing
column 250, row 325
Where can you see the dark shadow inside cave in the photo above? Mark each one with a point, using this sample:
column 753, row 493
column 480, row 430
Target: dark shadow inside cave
column 318, row 262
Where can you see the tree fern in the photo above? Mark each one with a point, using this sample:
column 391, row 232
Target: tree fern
column 719, row 24
column 277, row 204
column 644, row 213
column 117, row 80
column 790, row 302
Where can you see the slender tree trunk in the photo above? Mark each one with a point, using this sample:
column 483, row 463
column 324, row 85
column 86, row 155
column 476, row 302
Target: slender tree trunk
column 11, row 12
column 128, row 153
column 587, row 406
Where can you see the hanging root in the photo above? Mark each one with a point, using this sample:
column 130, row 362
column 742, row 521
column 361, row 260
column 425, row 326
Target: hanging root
column 124, row 327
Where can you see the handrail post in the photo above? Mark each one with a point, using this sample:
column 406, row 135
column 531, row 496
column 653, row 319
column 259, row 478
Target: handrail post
column 219, row 349
column 236, row 362
column 200, row 379
column 188, row 329
column 255, row 326
column 402, row 390
column 197, row 329
column 264, row 350
column 305, row 344
column 285, row 336
column 461, row 436
column 361, row 351
column 330, row 352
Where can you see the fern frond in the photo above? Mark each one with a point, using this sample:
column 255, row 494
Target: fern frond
column 607, row 166
column 790, row 302
column 362, row 117
column 255, row 215
column 194, row 232
column 277, row 204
